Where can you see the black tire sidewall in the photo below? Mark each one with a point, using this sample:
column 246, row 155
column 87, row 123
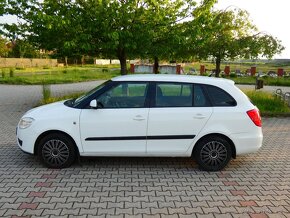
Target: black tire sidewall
column 69, row 143
column 199, row 147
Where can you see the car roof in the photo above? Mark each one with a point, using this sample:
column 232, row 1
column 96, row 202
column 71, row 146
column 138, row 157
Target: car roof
column 173, row 78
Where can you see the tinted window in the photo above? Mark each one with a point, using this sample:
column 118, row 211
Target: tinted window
column 124, row 95
column 173, row 95
column 220, row 97
column 200, row 99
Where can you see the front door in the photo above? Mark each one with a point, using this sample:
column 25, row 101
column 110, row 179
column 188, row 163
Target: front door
column 118, row 126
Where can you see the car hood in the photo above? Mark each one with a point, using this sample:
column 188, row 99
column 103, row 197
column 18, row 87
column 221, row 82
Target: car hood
column 55, row 109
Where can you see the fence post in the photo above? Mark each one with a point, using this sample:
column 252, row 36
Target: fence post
column 280, row 71
column 178, row 69
column 227, row 70
column 202, row 69
column 253, row 71
column 132, row 68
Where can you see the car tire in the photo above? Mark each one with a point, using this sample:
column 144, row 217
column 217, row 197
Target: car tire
column 57, row 151
column 213, row 153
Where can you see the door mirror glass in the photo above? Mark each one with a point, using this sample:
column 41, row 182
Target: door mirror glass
column 94, row 104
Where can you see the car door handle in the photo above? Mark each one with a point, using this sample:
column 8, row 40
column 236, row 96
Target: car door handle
column 199, row 116
column 138, row 118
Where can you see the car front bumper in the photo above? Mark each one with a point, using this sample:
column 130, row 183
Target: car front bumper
column 25, row 140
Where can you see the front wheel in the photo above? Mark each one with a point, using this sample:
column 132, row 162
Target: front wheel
column 213, row 153
column 57, row 151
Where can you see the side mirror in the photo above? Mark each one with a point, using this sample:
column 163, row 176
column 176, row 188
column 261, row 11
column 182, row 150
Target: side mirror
column 94, row 104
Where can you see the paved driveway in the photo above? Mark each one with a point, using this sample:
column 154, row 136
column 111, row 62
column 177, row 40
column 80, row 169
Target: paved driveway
column 256, row 185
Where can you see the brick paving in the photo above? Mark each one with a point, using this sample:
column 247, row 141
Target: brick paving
column 255, row 185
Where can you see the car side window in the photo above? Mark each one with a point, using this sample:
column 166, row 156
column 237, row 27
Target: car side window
column 173, row 95
column 124, row 95
column 219, row 97
column 200, row 99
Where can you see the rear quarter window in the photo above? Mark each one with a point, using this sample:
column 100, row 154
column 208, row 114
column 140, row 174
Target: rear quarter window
column 219, row 97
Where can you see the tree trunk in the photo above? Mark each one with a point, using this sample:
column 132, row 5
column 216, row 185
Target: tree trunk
column 83, row 60
column 156, row 65
column 123, row 60
column 65, row 61
column 217, row 66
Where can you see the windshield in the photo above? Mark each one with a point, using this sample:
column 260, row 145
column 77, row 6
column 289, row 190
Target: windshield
column 88, row 94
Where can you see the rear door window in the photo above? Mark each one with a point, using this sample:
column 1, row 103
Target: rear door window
column 200, row 99
column 173, row 95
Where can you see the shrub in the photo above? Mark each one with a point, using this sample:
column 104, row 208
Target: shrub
column 46, row 92
column 3, row 73
column 20, row 68
column 11, row 72
column 267, row 102
column 233, row 75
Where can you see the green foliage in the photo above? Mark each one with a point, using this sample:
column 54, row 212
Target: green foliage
column 52, row 99
column 23, row 49
column 4, row 48
column 158, row 30
column 3, row 73
column 229, row 34
column 46, row 92
column 233, row 75
column 57, row 76
column 11, row 72
column 267, row 102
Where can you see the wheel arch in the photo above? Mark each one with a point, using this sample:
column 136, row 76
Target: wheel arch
column 219, row 135
column 46, row 133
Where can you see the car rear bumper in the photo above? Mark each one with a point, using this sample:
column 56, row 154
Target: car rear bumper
column 247, row 142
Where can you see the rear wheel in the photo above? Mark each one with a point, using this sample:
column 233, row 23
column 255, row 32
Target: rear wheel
column 213, row 153
column 57, row 151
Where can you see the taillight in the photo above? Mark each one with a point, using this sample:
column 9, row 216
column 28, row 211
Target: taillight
column 255, row 117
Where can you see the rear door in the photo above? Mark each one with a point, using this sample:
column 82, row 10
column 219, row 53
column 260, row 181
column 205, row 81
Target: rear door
column 179, row 111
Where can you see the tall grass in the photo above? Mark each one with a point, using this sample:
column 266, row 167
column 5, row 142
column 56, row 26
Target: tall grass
column 267, row 102
column 60, row 98
column 46, row 92
column 58, row 76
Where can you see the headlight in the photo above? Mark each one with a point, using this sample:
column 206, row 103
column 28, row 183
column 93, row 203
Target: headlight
column 25, row 122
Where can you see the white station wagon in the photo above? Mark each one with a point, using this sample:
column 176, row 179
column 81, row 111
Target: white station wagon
column 208, row 119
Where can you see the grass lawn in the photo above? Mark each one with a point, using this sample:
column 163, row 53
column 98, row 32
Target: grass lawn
column 268, row 104
column 243, row 66
column 33, row 76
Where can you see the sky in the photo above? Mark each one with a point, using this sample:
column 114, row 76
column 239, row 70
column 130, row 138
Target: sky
column 269, row 16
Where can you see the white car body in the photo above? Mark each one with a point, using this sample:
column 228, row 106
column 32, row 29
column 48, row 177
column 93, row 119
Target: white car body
column 146, row 131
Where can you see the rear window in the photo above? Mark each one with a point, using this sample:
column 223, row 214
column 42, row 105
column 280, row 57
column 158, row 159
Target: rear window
column 219, row 97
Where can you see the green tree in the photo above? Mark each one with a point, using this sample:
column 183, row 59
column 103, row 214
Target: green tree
column 229, row 34
column 4, row 49
column 23, row 49
column 167, row 31
column 122, row 29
